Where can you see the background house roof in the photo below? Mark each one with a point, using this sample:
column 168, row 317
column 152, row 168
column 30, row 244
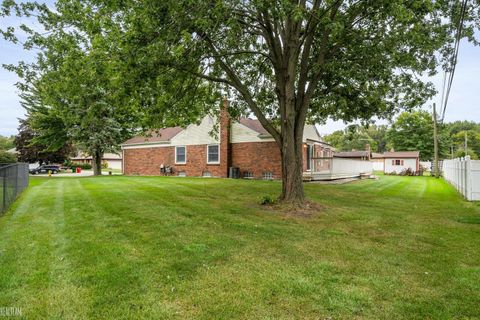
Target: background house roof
column 152, row 136
column 402, row 154
column 352, row 154
column 106, row 156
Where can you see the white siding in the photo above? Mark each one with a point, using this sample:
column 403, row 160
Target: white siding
column 407, row 163
column 427, row 165
column 196, row 134
column 310, row 132
column 240, row 133
column 378, row 165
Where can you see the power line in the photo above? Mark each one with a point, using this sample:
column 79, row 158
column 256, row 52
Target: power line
column 446, row 95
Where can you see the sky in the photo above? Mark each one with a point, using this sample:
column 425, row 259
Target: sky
column 463, row 103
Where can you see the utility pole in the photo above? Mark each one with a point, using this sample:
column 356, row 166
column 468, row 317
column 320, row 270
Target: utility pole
column 466, row 143
column 435, row 143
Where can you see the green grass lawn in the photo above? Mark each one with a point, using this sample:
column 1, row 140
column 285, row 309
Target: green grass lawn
column 118, row 247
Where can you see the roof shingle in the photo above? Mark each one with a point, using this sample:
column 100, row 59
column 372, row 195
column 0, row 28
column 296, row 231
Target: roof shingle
column 160, row 135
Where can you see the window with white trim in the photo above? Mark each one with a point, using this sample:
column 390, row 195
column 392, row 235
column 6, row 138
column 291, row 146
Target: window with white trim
column 180, row 155
column 213, row 154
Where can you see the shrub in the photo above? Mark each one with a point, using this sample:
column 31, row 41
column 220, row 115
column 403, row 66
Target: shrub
column 6, row 157
column 267, row 200
column 83, row 166
column 407, row 172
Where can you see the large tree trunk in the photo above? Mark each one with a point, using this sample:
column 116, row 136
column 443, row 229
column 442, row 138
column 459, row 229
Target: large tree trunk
column 292, row 163
column 292, row 180
column 97, row 163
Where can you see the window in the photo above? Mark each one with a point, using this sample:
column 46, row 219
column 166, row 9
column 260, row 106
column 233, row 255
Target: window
column 309, row 156
column 181, row 155
column 248, row 174
column 213, row 153
column 182, row 174
column 267, row 175
column 206, row 174
column 397, row 162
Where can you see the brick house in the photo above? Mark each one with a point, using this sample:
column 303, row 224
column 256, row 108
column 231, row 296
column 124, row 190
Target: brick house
column 194, row 151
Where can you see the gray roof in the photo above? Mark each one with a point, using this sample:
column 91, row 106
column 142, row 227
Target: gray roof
column 402, row 154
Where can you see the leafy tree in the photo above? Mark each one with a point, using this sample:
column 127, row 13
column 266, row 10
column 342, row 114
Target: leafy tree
column 292, row 62
column 461, row 153
column 458, row 126
column 6, row 157
column 288, row 62
column 413, row 131
column 71, row 92
column 31, row 150
column 473, row 143
column 6, row 143
column 354, row 137
column 379, row 135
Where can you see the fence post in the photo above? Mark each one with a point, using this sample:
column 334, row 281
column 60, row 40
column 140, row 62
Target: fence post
column 468, row 176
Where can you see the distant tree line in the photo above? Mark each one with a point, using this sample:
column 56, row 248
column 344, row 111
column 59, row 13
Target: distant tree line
column 411, row 131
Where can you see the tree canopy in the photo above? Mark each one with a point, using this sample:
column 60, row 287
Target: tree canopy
column 31, row 150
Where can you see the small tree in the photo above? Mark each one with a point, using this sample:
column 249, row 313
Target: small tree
column 6, row 157
column 31, row 150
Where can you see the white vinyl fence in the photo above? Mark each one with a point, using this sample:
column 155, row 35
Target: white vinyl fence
column 464, row 175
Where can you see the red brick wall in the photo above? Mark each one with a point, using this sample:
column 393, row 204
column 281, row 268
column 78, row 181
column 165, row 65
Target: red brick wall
column 257, row 157
column 147, row 161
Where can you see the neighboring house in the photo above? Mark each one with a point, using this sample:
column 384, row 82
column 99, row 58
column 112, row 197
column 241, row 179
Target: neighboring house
column 113, row 160
column 396, row 162
column 378, row 161
column 194, row 151
column 357, row 155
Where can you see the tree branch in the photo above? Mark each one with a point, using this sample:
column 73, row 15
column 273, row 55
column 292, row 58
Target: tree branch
column 237, row 83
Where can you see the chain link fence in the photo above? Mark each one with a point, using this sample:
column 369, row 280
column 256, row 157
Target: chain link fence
column 13, row 180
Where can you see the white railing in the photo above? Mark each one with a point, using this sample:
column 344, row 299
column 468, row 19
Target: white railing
column 336, row 168
column 348, row 166
column 464, row 175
